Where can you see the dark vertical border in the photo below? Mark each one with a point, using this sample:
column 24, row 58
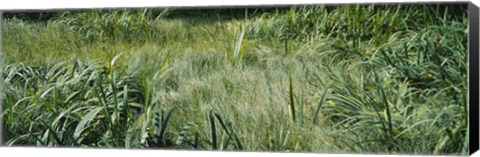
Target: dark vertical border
column 473, row 19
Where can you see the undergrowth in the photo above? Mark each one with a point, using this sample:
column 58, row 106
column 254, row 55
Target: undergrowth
column 356, row 79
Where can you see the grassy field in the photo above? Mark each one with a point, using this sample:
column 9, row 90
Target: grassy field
column 337, row 79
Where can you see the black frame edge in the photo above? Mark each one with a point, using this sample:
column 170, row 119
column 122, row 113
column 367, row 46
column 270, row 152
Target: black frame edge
column 473, row 95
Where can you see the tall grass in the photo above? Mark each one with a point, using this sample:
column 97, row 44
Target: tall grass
column 356, row 79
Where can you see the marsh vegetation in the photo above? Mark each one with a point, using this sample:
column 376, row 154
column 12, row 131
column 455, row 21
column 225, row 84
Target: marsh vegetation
column 350, row 78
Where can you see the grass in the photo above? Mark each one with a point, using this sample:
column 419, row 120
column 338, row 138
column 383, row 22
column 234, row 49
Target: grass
column 356, row 79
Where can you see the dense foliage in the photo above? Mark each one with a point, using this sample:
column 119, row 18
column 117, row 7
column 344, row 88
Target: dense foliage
column 357, row 79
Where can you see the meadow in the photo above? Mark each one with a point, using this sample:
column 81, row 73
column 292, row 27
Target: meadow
column 325, row 79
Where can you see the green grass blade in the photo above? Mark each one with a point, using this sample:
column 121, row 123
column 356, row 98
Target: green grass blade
column 322, row 98
column 85, row 120
column 163, row 67
column 214, row 132
column 292, row 101
column 116, row 118
column 164, row 125
column 52, row 132
column 103, row 100
column 387, row 107
column 219, row 118
column 238, row 143
column 126, row 110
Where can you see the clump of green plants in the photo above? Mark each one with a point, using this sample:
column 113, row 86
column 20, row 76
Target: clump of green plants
column 349, row 79
column 111, row 24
